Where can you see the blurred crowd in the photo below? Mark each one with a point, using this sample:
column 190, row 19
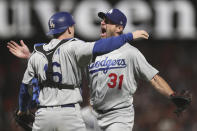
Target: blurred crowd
column 177, row 63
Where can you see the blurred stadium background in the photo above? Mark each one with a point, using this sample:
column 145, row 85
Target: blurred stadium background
column 172, row 49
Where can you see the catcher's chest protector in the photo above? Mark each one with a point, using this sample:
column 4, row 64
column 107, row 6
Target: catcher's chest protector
column 49, row 70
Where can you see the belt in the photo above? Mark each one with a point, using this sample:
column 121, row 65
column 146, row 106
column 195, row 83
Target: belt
column 65, row 105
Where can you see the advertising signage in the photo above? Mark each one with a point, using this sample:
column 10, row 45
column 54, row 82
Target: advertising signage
column 163, row 19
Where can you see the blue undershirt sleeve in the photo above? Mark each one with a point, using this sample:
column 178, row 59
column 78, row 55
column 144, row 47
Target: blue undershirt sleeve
column 24, row 97
column 107, row 45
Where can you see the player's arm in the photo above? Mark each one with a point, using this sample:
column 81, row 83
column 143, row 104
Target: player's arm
column 86, row 53
column 182, row 99
column 24, row 96
column 161, row 85
column 20, row 51
column 107, row 45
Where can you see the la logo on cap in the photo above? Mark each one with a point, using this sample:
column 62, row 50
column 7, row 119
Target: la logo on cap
column 110, row 11
column 51, row 24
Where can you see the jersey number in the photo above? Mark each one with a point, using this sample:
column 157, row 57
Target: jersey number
column 55, row 74
column 113, row 80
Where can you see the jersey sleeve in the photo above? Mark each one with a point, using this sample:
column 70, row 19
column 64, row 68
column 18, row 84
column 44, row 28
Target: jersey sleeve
column 142, row 68
column 83, row 52
column 87, row 52
column 29, row 73
column 109, row 44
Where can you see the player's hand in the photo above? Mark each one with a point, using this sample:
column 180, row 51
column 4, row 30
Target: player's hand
column 20, row 51
column 140, row 34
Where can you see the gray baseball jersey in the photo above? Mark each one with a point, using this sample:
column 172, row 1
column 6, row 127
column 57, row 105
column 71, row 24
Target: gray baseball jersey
column 67, row 61
column 113, row 83
column 67, row 58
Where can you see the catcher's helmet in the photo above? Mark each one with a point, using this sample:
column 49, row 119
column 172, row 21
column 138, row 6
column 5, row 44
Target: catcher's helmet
column 59, row 22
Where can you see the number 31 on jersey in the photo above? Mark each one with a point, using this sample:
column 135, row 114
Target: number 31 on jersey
column 114, row 78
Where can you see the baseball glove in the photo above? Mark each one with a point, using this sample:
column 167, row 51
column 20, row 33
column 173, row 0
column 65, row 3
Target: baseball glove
column 182, row 100
column 25, row 121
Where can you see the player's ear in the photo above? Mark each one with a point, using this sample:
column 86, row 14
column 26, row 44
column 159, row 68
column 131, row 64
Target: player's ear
column 69, row 30
column 119, row 29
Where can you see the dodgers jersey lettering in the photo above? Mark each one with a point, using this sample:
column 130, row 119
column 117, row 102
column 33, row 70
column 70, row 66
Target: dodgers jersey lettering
column 68, row 58
column 113, row 77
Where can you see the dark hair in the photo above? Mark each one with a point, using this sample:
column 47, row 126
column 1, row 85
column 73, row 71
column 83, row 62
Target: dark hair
column 58, row 35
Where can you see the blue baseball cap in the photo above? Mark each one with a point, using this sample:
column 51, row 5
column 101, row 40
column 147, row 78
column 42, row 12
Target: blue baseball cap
column 114, row 15
column 59, row 22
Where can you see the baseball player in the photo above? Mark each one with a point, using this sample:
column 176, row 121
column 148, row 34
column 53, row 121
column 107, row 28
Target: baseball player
column 57, row 66
column 113, row 78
